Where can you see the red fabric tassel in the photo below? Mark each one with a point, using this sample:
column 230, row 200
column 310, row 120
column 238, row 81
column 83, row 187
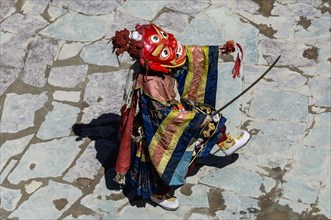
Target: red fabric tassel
column 123, row 159
column 230, row 47
column 237, row 64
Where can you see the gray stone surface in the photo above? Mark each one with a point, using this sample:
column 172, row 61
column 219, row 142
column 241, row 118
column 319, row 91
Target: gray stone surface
column 191, row 8
column 291, row 53
column 143, row 9
column 7, row 170
column 13, row 147
column 66, row 96
column 55, row 12
column 100, row 99
column 78, row 27
column 87, row 217
column 98, row 201
column 301, row 9
column 225, row 179
column 273, row 141
column 87, row 166
column 227, row 87
column 122, row 20
column 324, row 196
column 55, row 198
column 278, row 77
column 238, row 207
column 47, row 159
column 57, row 69
column 172, row 22
column 13, row 49
column 320, row 88
column 198, row 198
column 298, row 188
column 294, row 205
column 35, row 7
column 306, row 161
column 99, row 53
column 25, row 25
column 35, row 66
column 201, row 26
column 319, row 136
column 264, row 106
column 323, row 65
column 58, row 122
column 70, row 50
column 19, row 111
column 9, row 198
column 32, row 187
column 7, row 8
column 67, row 76
column 98, row 7
column 7, row 77
column 232, row 28
column 315, row 29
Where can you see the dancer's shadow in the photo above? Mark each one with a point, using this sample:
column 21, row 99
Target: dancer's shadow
column 212, row 161
column 105, row 132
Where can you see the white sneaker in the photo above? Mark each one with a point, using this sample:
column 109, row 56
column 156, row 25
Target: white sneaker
column 231, row 145
column 166, row 202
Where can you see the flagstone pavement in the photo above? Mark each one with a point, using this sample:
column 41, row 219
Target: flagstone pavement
column 61, row 93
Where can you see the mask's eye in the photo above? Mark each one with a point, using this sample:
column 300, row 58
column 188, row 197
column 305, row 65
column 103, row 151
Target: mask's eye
column 165, row 35
column 164, row 53
column 155, row 39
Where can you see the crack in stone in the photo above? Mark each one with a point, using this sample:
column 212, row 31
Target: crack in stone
column 246, row 124
column 45, row 13
column 276, row 173
column 264, row 29
column 32, row 166
column 119, row 209
column 19, row 5
column 115, row 197
column 304, row 22
column 186, row 189
column 262, row 188
column 270, row 209
column 60, row 203
column 324, row 9
column 266, row 7
column 203, row 211
column 77, row 211
column 215, row 197
column 311, row 53
column 245, row 110
column 84, row 182
column 311, row 126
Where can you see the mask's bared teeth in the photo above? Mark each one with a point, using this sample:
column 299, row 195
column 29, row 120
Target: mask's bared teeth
column 179, row 49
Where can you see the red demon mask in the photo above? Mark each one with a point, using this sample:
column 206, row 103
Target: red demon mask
column 161, row 50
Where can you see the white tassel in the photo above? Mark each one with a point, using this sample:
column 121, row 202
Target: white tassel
column 120, row 178
column 136, row 36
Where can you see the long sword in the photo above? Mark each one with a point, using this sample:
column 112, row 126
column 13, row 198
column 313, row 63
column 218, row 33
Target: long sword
column 248, row 88
column 237, row 97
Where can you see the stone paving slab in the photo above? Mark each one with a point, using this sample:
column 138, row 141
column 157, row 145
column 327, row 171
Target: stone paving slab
column 57, row 70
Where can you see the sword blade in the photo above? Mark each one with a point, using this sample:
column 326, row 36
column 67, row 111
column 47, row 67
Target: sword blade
column 248, row 88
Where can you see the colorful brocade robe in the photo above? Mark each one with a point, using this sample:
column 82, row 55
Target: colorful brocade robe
column 169, row 133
